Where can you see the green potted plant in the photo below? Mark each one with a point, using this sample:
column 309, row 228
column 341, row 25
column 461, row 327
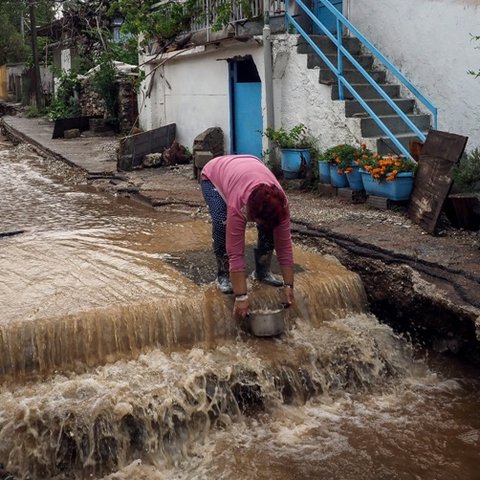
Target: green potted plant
column 342, row 162
column 389, row 176
column 295, row 149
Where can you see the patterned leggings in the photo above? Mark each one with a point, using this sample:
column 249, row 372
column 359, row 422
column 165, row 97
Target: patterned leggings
column 218, row 213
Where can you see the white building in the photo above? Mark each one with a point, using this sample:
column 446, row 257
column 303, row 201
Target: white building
column 227, row 80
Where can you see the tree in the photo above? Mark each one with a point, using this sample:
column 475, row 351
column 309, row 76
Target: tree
column 15, row 42
column 12, row 45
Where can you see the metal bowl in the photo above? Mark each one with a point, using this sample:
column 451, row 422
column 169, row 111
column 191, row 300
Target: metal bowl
column 267, row 323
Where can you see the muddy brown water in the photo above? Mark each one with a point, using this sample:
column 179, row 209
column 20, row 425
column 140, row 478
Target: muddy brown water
column 119, row 360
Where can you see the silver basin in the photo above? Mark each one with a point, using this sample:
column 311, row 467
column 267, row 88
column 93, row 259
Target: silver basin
column 266, row 323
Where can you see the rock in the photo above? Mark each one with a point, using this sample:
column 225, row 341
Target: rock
column 72, row 133
column 152, row 160
column 176, row 154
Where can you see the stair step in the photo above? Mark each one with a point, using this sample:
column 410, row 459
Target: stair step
column 352, row 44
column 394, row 123
column 380, row 107
column 327, row 77
column 385, row 145
column 366, row 91
column 314, row 60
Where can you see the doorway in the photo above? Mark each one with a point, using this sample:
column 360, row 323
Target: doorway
column 246, row 122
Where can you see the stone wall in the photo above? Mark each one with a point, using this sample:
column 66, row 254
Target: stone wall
column 93, row 105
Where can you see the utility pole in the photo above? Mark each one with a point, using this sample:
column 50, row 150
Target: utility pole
column 36, row 65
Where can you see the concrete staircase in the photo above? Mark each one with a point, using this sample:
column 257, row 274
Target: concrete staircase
column 369, row 129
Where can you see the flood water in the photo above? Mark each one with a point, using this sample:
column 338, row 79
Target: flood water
column 116, row 363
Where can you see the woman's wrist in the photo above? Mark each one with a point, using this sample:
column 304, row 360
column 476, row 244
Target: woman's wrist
column 241, row 297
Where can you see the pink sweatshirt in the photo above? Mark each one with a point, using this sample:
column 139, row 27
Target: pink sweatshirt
column 235, row 177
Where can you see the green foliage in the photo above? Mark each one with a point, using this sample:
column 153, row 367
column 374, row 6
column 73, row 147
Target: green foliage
column 33, row 112
column 125, row 52
column 105, row 84
column 14, row 13
column 12, row 45
column 342, row 156
column 153, row 22
column 64, row 105
column 296, row 137
column 466, row 175
column 224, row 11
column 163, row 23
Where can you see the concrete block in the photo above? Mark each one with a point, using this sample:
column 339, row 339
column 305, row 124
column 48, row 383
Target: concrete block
column 353, row 196
column 325, row 190
column 201, row 158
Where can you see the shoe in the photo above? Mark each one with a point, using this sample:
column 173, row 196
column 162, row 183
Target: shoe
column 262, row 271
column 223, row 278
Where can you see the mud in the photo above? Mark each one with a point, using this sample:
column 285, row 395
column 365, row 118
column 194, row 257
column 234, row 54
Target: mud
column 428, row 286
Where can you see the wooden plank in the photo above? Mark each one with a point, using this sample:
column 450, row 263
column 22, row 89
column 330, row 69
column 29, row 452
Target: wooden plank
column 433, row 180
column 415, row 149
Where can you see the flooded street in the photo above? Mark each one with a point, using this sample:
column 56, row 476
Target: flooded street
column 120, row 360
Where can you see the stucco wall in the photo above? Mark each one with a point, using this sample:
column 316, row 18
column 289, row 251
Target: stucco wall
column 430, row 42
column 300, row 98
column 191, row 90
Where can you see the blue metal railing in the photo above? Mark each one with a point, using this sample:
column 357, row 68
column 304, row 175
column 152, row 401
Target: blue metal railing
column 342, row 82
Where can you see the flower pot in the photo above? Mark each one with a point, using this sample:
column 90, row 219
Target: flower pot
column 336, row 179
column 398, row 189
column 294, row 162
column 324, row 172
column 355, row 178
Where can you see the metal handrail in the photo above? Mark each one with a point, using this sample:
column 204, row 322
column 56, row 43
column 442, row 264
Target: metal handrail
column 338, row 70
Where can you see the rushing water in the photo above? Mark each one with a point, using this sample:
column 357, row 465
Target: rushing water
column 116, row 363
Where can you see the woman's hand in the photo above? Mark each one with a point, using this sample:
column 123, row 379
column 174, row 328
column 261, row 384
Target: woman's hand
column 241, row 306
column 288, row 291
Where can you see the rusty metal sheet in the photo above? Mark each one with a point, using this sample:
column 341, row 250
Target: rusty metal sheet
column 62, row 124
column 134, row 147
column 433, row 180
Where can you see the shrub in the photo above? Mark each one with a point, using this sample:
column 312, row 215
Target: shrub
column 466, row 175
column 64, row 105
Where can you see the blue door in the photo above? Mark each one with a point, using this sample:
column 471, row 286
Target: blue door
column 325, row 16
column 246, row 108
